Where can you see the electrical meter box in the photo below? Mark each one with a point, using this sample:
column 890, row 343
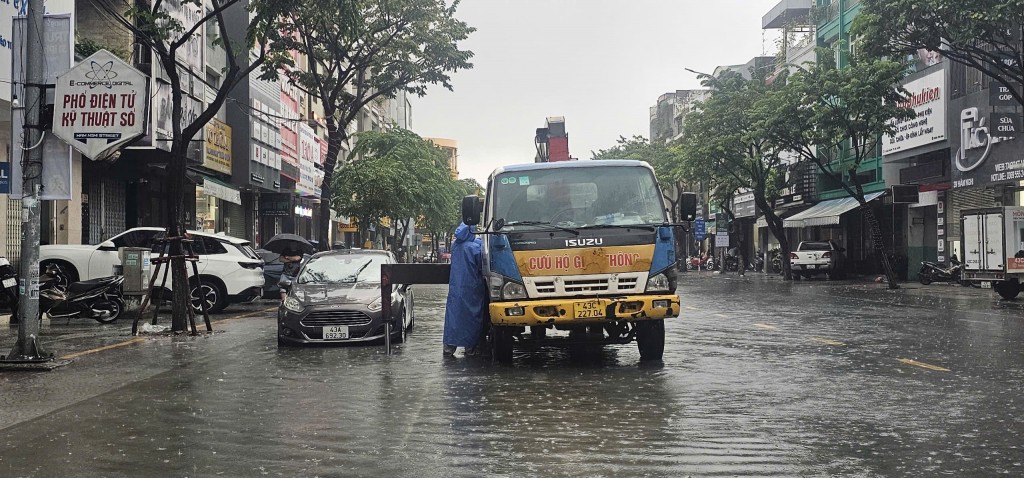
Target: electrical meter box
column 135, row 266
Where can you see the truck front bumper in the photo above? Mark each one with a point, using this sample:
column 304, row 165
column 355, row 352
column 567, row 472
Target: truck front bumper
column 579, row 311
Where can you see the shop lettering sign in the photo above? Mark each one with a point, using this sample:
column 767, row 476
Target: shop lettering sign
column 99, row 105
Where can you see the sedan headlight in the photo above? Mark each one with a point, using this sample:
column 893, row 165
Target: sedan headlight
column 375, row 305
column 513, row 290
column 658, row 283
column 293, row 304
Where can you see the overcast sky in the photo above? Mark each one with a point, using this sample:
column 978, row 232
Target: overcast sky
column 599, row 63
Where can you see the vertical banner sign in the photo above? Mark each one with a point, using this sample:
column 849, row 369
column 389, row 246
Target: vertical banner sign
column 100, row 105
column 56, row 173
column 5, row 178
column 699, row 229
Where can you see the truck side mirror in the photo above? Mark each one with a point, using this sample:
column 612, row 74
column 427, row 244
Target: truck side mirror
column 687, row 206
column 471, row 210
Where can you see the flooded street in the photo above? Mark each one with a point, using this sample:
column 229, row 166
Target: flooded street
column 760, row 378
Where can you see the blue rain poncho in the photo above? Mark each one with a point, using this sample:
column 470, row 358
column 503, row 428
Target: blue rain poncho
column 467, row 292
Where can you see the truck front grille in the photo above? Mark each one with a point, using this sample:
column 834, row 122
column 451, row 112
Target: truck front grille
column 591, row 285
column 632, row 282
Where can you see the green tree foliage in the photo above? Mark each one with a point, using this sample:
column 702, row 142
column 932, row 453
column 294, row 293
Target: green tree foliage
column 443, row 213
column 359, row 51
column 835, row 117
column 399, row 176
column 984, row 34
column 726, row 144
column 156, row 29
column 661, row 157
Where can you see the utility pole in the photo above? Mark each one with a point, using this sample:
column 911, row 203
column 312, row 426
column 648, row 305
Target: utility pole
column 28, row 349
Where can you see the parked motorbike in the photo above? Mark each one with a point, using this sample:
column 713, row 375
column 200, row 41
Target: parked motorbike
column 705, row 261
column 776, row 257
column 9, row 292
column 730, row 263
column 98, row 299
column 757, row 265
column 933, row 272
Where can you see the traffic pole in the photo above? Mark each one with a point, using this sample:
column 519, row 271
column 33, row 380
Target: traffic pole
column 28, row 348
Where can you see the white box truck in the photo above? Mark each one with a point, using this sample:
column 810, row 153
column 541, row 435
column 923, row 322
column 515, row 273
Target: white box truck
column 993, row 247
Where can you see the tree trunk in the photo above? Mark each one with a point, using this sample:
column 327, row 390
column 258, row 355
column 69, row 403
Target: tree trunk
column 879, row 246
column 335, row 138
column 777, row 226
column 176, row 229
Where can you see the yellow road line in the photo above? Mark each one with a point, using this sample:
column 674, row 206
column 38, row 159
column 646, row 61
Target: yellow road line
column 766, row 326
column 825, row 341
column 140, row 339
column 105, row 347
column 924, row 365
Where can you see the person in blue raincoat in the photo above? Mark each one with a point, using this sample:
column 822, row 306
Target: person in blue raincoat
column 464, row 313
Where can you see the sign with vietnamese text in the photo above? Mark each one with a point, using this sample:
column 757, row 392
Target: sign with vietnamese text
column 984, row 154
column 100, row 105
column 699, row 229
column 927, row 100
column 5, row 178
column 218, row 146
column 722, row 239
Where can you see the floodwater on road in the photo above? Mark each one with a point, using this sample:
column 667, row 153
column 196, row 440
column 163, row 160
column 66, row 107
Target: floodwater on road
column 760, row 378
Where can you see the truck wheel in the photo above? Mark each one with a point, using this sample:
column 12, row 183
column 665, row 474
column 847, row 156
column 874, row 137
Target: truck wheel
column 650, row 339
column 1007, row 289
column 503, row 340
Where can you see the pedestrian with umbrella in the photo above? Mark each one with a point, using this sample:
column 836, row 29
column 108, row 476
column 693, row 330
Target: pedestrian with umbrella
column 291, row 247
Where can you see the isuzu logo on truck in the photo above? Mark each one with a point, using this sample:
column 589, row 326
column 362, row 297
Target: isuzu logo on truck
column 584, row 242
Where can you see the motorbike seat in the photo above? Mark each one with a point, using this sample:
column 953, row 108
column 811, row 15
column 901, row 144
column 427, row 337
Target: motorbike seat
column 85, row 286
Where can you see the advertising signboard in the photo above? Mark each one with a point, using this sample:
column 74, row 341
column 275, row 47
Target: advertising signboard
column 984, row 154
column 5, row 178
column 927, row 98
column 218, row 146
column 100, row 105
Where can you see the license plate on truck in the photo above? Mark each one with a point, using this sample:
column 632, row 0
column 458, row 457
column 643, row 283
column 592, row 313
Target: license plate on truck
column 986, row 284
column 590, row 309
column 335, row 332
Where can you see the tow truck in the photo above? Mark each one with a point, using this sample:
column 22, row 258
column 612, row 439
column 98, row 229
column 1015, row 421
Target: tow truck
column 580, row 247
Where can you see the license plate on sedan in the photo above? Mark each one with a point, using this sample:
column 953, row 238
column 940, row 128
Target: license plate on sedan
column 590, row 309
column 335, row 332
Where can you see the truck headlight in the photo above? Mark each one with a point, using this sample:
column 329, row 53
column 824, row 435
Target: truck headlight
column 513, row 290
column 658, row 283
column 293, row 304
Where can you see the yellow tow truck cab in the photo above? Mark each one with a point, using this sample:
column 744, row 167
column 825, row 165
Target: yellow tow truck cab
column 580, row 246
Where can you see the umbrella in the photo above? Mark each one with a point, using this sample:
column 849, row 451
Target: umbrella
column 282, row 243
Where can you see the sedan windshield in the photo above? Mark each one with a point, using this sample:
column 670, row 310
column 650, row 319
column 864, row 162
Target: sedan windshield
column 342, row 268
column 578, row 197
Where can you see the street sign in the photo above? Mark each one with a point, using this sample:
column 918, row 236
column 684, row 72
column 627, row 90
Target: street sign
column 100, row 105
column 699, row 229
column 722, row 239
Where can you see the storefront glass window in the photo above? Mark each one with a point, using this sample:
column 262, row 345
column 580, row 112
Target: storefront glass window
column 207, row 211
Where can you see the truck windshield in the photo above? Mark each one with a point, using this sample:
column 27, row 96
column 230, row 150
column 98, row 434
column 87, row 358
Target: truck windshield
column 578, row 197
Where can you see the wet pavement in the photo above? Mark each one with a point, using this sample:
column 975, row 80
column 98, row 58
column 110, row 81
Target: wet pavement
column 760, row 378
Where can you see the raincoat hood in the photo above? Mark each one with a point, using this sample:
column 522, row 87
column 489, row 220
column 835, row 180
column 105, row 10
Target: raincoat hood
column 464, row 233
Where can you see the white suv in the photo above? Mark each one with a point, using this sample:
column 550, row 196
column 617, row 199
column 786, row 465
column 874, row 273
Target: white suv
column 230, row 271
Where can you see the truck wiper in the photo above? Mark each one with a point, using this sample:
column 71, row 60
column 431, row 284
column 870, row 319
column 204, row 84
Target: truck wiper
column 646, row 227
column 540, row 223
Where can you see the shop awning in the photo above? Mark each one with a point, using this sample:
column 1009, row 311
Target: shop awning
column 826, row 213
column 221, row 191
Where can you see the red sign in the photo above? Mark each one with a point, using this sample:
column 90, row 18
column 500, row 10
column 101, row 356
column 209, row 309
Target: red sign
column 1015, row 264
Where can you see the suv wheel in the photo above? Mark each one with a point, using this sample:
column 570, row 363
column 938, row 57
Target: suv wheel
column 208, row 295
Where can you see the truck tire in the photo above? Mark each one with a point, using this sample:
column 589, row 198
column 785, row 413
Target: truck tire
column 503, row 339
column 650, row 339
column 1007, row 289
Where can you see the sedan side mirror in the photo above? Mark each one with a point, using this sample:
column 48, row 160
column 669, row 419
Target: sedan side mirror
column 286, row 285
column 108, row 246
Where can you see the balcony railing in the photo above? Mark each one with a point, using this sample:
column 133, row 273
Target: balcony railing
column 822, row 14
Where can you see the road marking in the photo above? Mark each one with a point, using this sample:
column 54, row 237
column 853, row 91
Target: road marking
column 924, row 365
column 105, row 347
column 140, row 339
column 766, row 326
column 723, row 316
column 690, row 307
column 834, row 343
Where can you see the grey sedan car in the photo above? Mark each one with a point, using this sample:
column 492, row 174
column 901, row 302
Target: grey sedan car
column 337, row 298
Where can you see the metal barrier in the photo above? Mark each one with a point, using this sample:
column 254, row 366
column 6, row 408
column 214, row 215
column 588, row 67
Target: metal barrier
column 398, row 274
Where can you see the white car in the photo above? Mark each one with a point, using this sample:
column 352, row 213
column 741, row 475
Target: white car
column 230, row 271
